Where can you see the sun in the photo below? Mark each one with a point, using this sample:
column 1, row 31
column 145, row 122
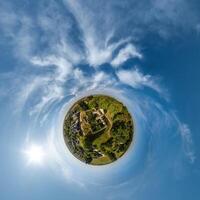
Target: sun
column 35, row 154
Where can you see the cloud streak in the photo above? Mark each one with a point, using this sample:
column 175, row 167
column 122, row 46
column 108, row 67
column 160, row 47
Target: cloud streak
column 125, row 54
column 135, row 79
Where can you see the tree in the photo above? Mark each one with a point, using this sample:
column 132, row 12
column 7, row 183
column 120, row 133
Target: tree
column 88, row 159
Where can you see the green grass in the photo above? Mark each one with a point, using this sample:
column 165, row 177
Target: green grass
column 101, row 161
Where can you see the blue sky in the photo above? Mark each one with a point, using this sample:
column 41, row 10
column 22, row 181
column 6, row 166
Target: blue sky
column 145, row 53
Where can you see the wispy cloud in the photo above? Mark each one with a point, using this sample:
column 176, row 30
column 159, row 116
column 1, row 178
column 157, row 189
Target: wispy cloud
column 136, row 79
column 187, row 142
column 124, row 54
column 84, row 82
column 63, row 67
column 98, row 46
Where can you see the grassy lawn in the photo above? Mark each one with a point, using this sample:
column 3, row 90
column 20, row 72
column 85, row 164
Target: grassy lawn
column 101, row 161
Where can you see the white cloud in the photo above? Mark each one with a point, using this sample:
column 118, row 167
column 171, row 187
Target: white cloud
column 63, row 67
column 136, row 79
column 101, row 80
column 98, row 50
column 97, row 55
column 187, row 141
column 98, row 80
column 124, row 54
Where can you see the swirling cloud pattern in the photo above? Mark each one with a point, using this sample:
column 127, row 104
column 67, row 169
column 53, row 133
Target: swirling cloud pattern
column 64, row 50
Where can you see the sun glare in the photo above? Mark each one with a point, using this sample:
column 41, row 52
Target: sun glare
column 35, row 154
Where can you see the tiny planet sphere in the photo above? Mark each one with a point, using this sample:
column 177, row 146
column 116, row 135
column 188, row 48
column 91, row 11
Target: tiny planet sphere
column 98, row 129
